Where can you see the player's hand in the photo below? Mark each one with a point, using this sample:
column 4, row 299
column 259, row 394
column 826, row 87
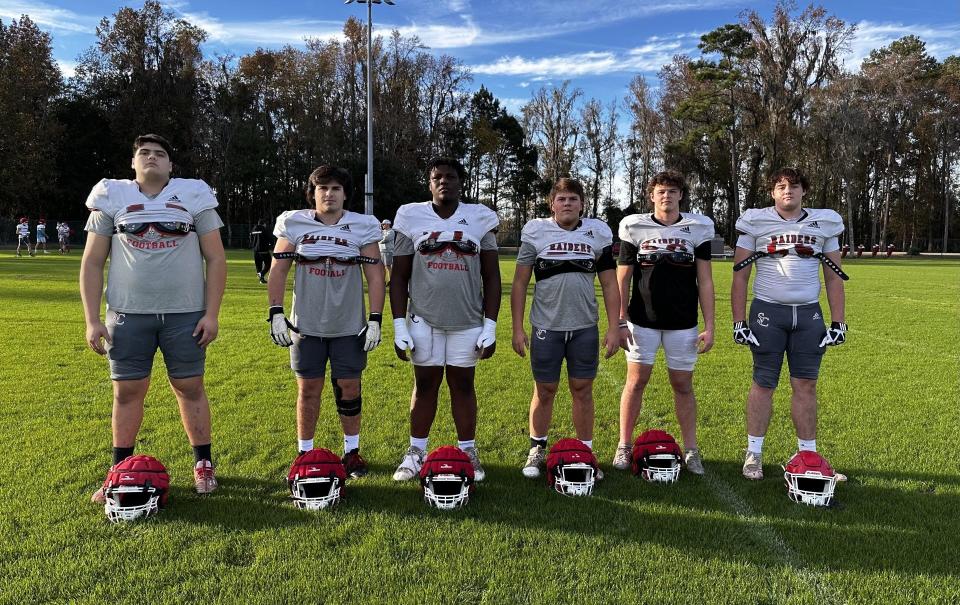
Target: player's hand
column 96, row 334
column 207, row 328
column 401, row 338
column 373, row 333
column 625, row 333
column 487, row 339
column 520, row 342
column 280, row 327
column 705, row 341
column 611, row 341
column 836, row 335
column 742, row 334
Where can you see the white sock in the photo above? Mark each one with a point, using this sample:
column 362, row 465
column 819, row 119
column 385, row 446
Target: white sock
column 465, row 444
column 305, row 445
column 419, row 443
column 351, row 442
column 587, row 442
column 754, row 444
column 807, row 445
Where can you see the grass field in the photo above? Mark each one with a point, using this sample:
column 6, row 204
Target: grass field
column 889, row 418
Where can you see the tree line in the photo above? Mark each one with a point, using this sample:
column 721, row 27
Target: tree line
column 880, row 143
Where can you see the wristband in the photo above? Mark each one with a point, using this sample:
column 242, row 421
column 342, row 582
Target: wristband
column 377, row 317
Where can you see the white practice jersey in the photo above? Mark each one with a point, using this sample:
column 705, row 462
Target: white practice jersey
column 566, row 301
column 648, row 235
column 23, row 230
column 328, row 296
column 445, row 287
column 790, row 279
column 63, row 230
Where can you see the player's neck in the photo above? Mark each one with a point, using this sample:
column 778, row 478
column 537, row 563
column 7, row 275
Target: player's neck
column 151, row 187
column 567, row 226
column 667, row 218
column 445, row 209
column 791, row 214
column 329, row 218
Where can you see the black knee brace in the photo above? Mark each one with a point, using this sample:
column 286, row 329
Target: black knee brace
column 348, row 407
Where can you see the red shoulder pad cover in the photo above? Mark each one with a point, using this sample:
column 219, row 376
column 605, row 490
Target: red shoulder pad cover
column 651, row 442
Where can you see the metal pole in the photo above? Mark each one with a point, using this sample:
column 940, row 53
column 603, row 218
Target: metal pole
column 368, row 195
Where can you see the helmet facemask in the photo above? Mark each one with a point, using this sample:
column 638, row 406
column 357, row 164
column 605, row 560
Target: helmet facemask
column 661, row 468
column 574, row 479
column 446, row 491
column 130, row 502
column 315, row 493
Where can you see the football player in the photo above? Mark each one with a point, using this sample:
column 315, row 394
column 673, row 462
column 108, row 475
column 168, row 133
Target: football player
column 332, row 248
column 41, row 237
column 664, row 273
column 788, row 243
column 63, row 234
column 261, row 242
column 565, row 252
column 23, row 236
column 445, row 266
column 386, row 246
column 164, row 287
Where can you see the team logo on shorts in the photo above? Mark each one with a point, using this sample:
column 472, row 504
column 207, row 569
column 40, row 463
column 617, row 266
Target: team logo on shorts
column 541, row 334
column 763, row 320
column 816, row 315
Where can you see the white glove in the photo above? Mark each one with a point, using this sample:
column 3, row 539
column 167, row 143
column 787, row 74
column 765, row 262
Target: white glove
column 280, row 327
column 401, row 336
column 488, row 336
column 836, row 335
column 742, row 335
column 373, row 335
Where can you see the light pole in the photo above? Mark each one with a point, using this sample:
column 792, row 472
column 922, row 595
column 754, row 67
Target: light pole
column 368, row 181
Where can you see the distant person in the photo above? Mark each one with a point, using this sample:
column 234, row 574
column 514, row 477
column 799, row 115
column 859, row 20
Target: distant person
column 262, row 243
column 41, row 236
column 386, row 246
column 63, row 235
column 165, row 283
column 23, row 236
column 789, row 244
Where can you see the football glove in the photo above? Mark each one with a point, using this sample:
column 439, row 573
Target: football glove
column 742, row 334
column 488, row 336
column 401, row 336
column 280, row 327
column 373, row 332
column 836, row 335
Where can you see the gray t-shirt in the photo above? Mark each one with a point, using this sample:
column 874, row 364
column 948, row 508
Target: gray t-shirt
column 567, row 301
column 155, row 272
column 328, row 297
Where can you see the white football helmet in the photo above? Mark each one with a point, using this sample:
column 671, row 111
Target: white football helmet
column 810, row 479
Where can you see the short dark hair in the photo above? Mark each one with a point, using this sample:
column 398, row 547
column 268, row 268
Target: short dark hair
column 668, row 177
column 323, row 175
column 566, row 184
column 447, row 161
column 793, row 177
column 153, row 138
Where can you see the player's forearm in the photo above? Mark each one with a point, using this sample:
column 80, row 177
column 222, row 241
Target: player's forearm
column 738, row 297
column 707, row 305
column 518, row 302
column 216, row 283
column 624, row 277
column 399, row 284
column 610, row 289
column 91, row 290
column 376, row 287
column 836, row 299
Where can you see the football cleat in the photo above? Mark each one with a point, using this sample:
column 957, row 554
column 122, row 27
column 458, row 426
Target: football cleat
column 810, row 479
column 447, row 478
column 316, row 480
column 135, row 488
column 657, row 457
column 571, row 468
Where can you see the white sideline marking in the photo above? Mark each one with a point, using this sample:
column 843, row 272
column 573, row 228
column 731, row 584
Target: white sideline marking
column 769, row 536
column 900, row 343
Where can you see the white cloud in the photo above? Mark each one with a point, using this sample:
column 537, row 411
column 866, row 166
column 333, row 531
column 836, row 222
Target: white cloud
column 942, row 40
column 649, row 57
column 281, row 31
column 67, row 68
column 48, row 17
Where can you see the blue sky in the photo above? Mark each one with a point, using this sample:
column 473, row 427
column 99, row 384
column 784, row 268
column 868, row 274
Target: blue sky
column 512, row 46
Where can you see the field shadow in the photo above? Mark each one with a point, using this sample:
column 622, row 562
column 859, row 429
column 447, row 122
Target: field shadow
column 723, row 517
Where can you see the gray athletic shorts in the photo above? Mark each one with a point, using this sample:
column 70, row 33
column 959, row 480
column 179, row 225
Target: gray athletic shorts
column 309, row 355
column 136, row 337
column 792, row 329
column 548, row 349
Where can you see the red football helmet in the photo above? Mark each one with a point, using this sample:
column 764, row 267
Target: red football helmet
column 447, row 478
column 571, row 468
column 136, row 487
column 316, row 479
column 656, row 456
column 810, row 479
